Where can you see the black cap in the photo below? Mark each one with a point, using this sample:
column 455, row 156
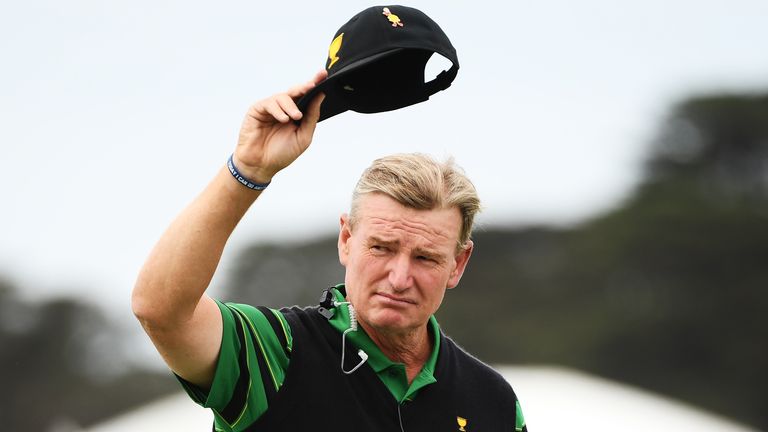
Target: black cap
column 376, row 62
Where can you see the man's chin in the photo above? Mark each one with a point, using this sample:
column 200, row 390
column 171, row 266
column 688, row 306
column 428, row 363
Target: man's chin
column 390, row 321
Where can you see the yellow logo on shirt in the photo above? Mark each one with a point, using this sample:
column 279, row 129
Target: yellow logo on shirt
column 462, row 422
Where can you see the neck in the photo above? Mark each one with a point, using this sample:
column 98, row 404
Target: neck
column 412, row 348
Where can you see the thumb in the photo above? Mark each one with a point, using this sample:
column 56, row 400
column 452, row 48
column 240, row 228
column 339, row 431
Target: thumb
column 311, row 117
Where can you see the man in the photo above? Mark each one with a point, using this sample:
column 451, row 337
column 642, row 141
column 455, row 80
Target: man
column 371, row 357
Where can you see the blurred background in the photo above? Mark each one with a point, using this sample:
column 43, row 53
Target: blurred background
column 621, row 151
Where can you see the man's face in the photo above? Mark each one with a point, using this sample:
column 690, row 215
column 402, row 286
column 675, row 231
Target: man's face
column 399, row 262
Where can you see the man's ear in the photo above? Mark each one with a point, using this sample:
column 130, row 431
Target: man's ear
column 345, row 232
column 462, row 258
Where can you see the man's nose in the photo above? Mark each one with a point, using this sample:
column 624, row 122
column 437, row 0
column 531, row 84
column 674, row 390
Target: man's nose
column 400, row 272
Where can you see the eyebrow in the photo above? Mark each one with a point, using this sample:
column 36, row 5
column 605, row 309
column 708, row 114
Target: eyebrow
column 431, row 253
column 379, row 240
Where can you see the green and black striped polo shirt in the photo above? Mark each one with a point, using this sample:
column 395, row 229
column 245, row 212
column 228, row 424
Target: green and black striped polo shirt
column 255, row 354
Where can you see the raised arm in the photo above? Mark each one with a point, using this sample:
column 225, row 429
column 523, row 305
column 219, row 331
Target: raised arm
column 169, row 297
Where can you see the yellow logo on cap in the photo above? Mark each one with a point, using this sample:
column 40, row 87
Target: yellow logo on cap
column 394, row 19
column 334, row 49
column 462, row 422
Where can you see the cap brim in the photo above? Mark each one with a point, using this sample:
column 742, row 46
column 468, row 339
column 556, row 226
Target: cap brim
column 334, row 103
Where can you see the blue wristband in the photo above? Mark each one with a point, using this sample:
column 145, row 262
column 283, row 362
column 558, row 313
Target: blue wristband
column 239, row 177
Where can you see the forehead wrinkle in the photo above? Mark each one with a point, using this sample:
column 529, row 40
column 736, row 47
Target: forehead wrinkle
column 386, row 216
column 418, row 229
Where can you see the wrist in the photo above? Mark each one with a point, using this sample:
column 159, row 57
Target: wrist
column 245, row 180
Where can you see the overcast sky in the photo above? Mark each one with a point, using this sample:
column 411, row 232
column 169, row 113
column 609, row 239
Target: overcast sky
column 114, row 115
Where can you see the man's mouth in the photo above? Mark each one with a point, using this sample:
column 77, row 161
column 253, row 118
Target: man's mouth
column 395, row 300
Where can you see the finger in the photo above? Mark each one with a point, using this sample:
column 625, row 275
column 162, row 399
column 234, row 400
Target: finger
column 307, row 127
column 288, row 106
column 302, row 89
column 296, row 92
column 320, row 76
column 273, row 108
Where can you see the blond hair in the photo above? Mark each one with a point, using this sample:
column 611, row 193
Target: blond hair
column 420, row 182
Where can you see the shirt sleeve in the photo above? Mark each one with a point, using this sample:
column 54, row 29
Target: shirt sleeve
column 520, row 425
column 251, row 367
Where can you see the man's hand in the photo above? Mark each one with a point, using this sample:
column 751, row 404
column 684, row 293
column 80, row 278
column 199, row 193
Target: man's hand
column 269, row 138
